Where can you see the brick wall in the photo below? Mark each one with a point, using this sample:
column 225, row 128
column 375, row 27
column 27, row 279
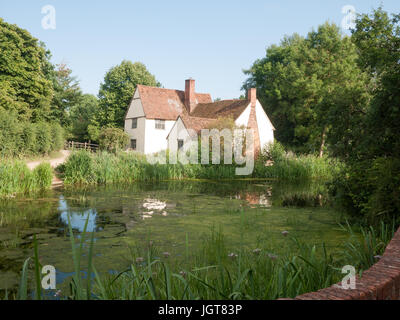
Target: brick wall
column 380, row 282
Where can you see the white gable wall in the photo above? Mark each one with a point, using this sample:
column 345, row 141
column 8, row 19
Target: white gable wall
column 265, row 127
column 178, row 131
column 243, row 119
column 135, row 110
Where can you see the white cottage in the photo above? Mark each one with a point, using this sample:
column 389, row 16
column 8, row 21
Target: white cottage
column 159, row 119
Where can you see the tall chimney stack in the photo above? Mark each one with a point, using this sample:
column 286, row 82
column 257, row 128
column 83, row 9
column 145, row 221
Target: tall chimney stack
column 252, row 96
column 190, row 97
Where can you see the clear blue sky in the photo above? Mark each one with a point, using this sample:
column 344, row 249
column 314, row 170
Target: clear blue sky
column 210, row 41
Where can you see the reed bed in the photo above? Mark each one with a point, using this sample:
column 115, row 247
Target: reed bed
column 83, row 167
column 16, row 178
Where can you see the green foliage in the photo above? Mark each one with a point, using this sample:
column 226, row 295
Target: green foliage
column 365, row 249
column 117, row 90
column 276, row 163
column 113, row 139
column 16, row 178
column 23, row 138
column 214, row 273
column 78, row 168
column 43, row 137
column 306, row 83
column 87, row 168
column 369, row 187
column 67, row 93
column 57, row 136
column 24, row 88
column 81, row 116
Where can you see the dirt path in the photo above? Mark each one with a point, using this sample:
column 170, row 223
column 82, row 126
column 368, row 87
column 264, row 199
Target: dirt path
column 54, row 163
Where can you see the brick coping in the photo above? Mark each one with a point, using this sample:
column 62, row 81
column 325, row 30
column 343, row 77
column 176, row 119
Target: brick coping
column 380, row 282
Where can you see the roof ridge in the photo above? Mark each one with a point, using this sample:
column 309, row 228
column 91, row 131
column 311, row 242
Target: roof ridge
column 176, row 90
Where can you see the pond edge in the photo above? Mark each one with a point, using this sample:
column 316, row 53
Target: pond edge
column 380, row 282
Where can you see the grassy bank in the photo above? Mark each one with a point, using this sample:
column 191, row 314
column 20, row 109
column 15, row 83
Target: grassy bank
column 87, row 168
column 212, row 272
column 16, row 178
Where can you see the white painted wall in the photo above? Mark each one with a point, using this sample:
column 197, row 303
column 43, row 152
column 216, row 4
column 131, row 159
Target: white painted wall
column 156, row 139
column 135, row 110
column 243, row 119
column 178, row 131
column 265, row 127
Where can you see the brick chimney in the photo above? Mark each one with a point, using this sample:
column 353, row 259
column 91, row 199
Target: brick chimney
column 190, row 97
column 252, row 96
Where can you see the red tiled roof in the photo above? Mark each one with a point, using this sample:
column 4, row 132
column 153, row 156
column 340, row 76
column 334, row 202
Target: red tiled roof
column 196, row 123
column 167, row 104
column 219, row 109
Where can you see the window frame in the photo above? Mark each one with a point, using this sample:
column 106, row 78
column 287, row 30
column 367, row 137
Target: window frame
column 134, row 124
column 135, row 148
column 182, row 142
column 159, row 124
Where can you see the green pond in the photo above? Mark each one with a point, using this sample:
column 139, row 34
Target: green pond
column 176, row 217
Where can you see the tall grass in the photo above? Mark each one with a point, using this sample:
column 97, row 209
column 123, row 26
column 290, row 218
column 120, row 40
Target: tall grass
column 16, row 178
column 289, row 166
column 86, row 168
column 367, row 248
column 214, row 273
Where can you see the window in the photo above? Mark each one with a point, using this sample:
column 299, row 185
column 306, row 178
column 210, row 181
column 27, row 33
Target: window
column 180, row 144
column 133, row 144
column 134, row 123
column 160, row 124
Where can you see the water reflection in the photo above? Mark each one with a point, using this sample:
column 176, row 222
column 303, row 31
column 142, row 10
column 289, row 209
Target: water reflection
column 77, row 218
column 154, row 206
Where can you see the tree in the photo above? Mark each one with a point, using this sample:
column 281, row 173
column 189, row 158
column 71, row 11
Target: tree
column 306, row 82
column 369, row 187
column 377, row 37
column 117, row 90
column 23, row 85
column 81, row 116
column 67, row 94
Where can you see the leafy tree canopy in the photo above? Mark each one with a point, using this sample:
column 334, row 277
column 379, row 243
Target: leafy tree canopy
column 117, row 90
column 23, row 85
column 305, row 83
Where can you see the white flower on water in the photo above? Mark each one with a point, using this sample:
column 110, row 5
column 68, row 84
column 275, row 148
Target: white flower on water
column 154, row 204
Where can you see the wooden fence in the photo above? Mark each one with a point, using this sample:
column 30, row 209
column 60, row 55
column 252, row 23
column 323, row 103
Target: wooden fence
column 72, row 145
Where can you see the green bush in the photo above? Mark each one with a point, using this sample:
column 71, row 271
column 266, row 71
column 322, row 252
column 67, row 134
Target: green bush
column 10, row 134
column 369, row 189
column 78, row 169
column 29, row 136
column 43, row 175
column 113, row 140
column 23, row 138
column 57, row 135
column 43, row 137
